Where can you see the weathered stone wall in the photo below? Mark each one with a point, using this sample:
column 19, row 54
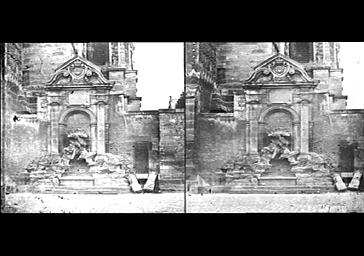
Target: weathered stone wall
column 236, row 61
column 202, row 58
column 348, row 133
column 322, row 139
column 171, row 144
column 23, row 137
column 336, row 130
column 41, row 59
column 25, row 141
column 125, row 129
column 219, row 137
column 330, row 80
column 326, row 53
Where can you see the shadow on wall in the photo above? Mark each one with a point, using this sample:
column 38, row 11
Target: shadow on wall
column 346, row 156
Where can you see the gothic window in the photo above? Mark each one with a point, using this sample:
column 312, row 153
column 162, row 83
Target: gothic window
column 98, row 53
column 301, row 52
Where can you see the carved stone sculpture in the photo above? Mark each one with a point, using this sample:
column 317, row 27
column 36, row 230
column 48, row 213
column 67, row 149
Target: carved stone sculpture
column 77, row 148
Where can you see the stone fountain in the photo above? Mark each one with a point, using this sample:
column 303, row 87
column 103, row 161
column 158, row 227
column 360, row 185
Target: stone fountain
column 277, row 165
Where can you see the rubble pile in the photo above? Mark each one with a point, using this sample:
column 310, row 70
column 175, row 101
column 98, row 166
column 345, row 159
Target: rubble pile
column 246, row 168
column 47, row 170
column 309, row 168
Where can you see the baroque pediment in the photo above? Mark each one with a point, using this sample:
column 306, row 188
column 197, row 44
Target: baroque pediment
column 278, row 70
column 76, row 72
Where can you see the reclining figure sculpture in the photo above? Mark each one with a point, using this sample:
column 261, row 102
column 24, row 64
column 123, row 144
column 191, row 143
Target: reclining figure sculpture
column 77, row 148
column 279, row 147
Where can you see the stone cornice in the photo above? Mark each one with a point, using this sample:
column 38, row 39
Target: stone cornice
column 347, row 111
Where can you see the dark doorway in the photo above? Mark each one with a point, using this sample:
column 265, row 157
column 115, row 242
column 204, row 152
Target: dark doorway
column 75, row 120
column 346, row 156
column 141, row 153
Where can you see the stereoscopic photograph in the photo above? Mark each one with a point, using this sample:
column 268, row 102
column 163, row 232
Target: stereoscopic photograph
column 182, row 127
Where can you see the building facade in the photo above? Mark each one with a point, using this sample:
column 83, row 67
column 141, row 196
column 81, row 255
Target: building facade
column 240, row 94
column 89, row 87
column 251, row 114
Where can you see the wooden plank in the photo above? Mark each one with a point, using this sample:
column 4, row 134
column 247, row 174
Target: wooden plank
column 339, row 184
column 150, row 184
column 355, row 181
column 134, row 184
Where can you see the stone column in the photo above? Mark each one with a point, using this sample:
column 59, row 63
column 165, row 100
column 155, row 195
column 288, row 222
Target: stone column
column 304, row 127
column 93, row 137
column 100, row 115
column 190, row 133
column 49, row 138
column 107, row 125
column 239, row 106
column 54, row 131
column 261, row 126
column 247, row 134
column 254, row 128
column 61, row 132
column 296, row 136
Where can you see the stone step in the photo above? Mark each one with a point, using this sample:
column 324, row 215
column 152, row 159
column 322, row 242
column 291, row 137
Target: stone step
column 87, row 181
column 282, row 187
column 168, row 187
column 87, row 190
column 177, row 185
column 171, row 181
column 277, row 180
column 77, row 181
column 271, row 189
column 281, row 191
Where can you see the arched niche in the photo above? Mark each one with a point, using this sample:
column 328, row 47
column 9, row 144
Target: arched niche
column 278, row 118
column 80, row 118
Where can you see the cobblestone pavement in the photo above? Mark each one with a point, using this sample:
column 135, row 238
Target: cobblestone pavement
column 231, row 203
column 196, row 203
